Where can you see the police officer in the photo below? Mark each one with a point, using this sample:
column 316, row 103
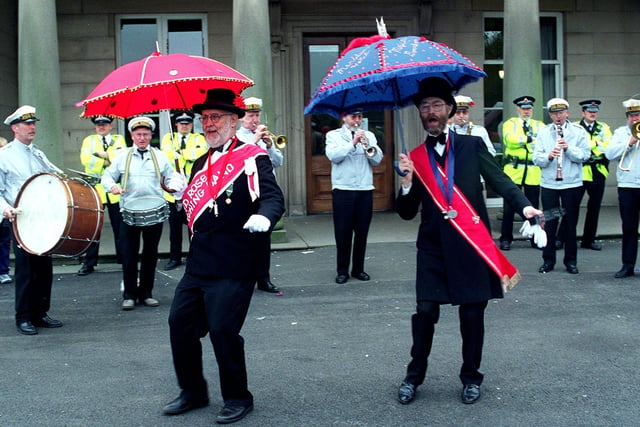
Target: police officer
column 519, row 138
column 594, row 173
column 96, row 154
column 624, row 142
column 182, row 149
column 20, row 160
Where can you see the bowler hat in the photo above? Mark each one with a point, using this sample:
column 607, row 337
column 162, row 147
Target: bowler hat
column 220, row 99
column 438, row 88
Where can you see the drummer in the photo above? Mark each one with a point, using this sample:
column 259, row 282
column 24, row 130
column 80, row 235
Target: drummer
column 20, row 160
column 96, row 154
column 141, row 172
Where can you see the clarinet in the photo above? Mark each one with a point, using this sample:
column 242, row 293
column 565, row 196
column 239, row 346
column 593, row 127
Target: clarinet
column 559, row 158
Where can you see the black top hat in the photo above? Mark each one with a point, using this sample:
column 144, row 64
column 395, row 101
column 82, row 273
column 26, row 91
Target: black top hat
column 220, row 99
column 436, row 87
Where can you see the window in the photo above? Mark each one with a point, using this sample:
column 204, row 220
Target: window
column 138, row 36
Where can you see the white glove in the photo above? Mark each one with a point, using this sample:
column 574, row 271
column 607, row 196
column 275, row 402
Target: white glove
column 257, row 224
column 535, row 231
column 178, row 183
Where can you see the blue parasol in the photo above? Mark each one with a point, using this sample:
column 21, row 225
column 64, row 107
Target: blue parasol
column 381, row 73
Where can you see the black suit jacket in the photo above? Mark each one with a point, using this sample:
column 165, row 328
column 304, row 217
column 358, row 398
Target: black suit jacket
column 220, row 247
column 448, row 269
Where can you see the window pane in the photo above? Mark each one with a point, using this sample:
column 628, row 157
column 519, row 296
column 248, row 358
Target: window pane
column 138, row 38
column 185, row 36
column 493, row 38
column 321, row 58
column 548, row 38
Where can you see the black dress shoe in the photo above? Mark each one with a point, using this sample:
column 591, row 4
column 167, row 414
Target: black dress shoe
column 406, row 392
column 47, row 322
column 172, row 264
column 625, row 271
column 180, row 405
column 267, row 286
column 341, row 278
column 85, row 269
column 545, row 268
column 232, row 413
column 26, row 328
column 505, row 245
column 594, row 246
column 572, row 269
column 470, row 393
column 361, row 276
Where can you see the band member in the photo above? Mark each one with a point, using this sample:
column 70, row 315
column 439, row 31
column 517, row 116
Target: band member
column 444, row 177
column 519, row 138
column 624, row 148
column 232, row 204
column 96, row 154
column 138, row 174
column 20, row 160
column 594, row 173
column 182, row 148
column 461, row 124
column 561, row 149
column 251, row 131
column 353, row 152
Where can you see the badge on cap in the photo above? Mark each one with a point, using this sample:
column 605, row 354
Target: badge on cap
column 591, row 105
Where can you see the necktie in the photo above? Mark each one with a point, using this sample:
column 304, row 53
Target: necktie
column 183, row 143
column 142, row 152
column 105, row 144
column 525, row 127
column 353, row 134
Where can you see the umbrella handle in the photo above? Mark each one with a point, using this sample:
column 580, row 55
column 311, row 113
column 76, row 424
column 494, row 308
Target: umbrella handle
column 398, row 171
column 404, row 147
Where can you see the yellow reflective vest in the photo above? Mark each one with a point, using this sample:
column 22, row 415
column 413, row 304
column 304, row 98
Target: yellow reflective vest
column 598, row 140
column 518, row 148
column 194, row 146
column 95, row 166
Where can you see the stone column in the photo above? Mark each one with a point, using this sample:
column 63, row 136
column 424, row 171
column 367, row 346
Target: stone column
column 522, row 55
column 39, row 72
column 252, row 50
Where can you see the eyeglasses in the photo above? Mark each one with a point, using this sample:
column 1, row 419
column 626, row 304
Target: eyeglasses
column 436, row 107
column 213, row 117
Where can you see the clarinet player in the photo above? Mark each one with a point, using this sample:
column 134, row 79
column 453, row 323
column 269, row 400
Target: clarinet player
column 560, row 150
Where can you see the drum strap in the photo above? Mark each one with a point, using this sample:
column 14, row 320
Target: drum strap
column 128, row 165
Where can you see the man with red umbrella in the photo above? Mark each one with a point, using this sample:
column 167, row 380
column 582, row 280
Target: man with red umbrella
column 232, row 204
column 457, row 261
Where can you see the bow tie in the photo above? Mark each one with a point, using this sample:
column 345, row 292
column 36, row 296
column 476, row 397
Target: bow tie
column 440, row 139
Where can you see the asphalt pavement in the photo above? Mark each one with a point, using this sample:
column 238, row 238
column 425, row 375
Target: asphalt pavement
column 560, row 349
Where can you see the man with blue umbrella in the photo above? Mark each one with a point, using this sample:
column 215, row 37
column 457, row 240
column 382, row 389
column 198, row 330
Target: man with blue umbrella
column 457, row 261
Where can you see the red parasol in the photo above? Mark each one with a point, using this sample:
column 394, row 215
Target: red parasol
column 160, row 82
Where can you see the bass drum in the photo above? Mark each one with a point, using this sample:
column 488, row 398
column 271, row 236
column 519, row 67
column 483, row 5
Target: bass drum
column 56, row 215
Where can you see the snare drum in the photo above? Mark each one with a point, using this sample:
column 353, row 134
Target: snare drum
column 144, row 210
column 56, row 215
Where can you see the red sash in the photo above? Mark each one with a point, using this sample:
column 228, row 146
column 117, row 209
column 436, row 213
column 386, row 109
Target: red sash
column 467, row 222
column 207, row 185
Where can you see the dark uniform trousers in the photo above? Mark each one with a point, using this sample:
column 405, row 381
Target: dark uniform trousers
column 471, row 329
column 130, row 247
column 115, row 218
column 595, row 191
column 352, row 214
column 33, row 279
column 532, row 193
column 629, row 205
column 176, row 218
column 569, row 199
column 217, row 307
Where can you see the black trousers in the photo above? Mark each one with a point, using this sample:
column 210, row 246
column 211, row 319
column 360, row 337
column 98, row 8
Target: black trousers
column 33, row 278
column 595, row 191
column 175, row 232
column 569, row 199
column 471, row 330
column 629, row 205
column 352, row 214
column 218, row 307
column 532, row 193
column 115, row 218
column 130, row 248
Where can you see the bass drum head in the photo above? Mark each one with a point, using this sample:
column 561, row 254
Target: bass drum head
column 43, row 212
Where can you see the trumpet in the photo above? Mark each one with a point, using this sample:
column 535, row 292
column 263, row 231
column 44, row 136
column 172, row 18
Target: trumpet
column 371, row 151
column 280, row 141
column 635, row 132
column 559, row 158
